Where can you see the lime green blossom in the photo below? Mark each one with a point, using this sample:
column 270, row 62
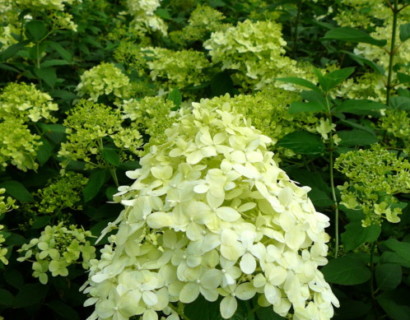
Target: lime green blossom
column 25, row 102
column 56, row 249
column 6, row 204
column 177, row 68
column 59, row 5
column 375, row 176
column 103, row 79
column 144, row 17
column 90, row 125
column 210, row 213
column 256, row 50
column 369, row 86
column 203, row 21
column 18, row 146
column 65, row 192
column 397, row 124
column 152, row 115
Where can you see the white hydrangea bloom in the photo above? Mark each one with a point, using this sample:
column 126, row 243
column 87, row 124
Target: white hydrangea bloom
column 144, row 15
column 210, row 213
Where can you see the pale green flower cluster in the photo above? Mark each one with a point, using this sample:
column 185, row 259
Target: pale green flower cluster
column 44, row 4
column 203, row 21
column 63, row 193
column 369, row 86
column 177, row 68
column 24, row 102
column 18, row 146
column 375, row 176
column 397, row 123
column 57, row 248
column 256, row 50
column 89, row 127
column 144, row 16
column 210, row 213
column 103, row 79
column 362, row 13
column 6, row 204
column 152, row 115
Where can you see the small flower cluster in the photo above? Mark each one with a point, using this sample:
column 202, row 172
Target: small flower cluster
column 24, row 102
column 375, row 176
column 210, row 213
column 152, row 115
column 61, row 194
column 56, row 249
column 397, row 123
column 6, row 204
column 255, row 49
column 145, row 19
column 177, row 68
column 101, row 80
column 203, row 21
column 44, row 4
column 88, row 126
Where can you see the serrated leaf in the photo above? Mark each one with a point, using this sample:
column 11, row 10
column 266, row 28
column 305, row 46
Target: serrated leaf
column 36, row 30
column 402, row 249
column 300, row 82
column 347, row 270
column 404, row 32
column 55, row 132
column 48, row 75
column 334, row 78
column 65, row 54
column 54, row 62
column 356, row 138
column 96, row 181
column 12, row 50
column 111, row 156
column 17, row 190
column 359, row 107
column 352, row 35
column 302, row 142
column 395, row 304
column 299, row 106
column 388, row 276
column 355, row 235
column 363, row 61
column 403, row 77
column 400, row 103
column 8, row 68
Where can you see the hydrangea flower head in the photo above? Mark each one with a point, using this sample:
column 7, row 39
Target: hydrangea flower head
column 210, row 213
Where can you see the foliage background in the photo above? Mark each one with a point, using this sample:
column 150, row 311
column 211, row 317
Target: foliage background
column 87, row 87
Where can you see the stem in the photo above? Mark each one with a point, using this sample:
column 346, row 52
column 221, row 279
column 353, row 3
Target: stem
column 295, row 32
column 332, row 179
column 179, row 310
column 114, row 176
column 392, row 52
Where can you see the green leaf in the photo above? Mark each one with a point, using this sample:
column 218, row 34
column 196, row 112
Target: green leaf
column 12, row 51
column 392, row 257
column 40, row 222
column 353, row 309
column 63, row 310
column 267, row 314
column 44, row 152
column 8, row 68
column 355, row 235
column 395, row 304
column 356, row 138
column 35, row 30
column 48, row 75
column 14, row 278
column 302, row 142
column 65, row 54
column 347, row 270
column 17, row 190
column 54, row 62
column 55, row 132
column 111, row 156
column 388, row 276
column 334, row 78
column 352, row 35
column 300, row 82
column 29, row 295
column 405, row 32
column 400, row 103
column 96, row 181
column 6, row 298
column 359, row 107
column 363, row 61
column 299, row 106
column 176, row 97
column 402, row 249
column 403, row 77
column 314, row 96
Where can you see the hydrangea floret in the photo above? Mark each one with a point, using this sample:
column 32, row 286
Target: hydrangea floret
column 375, row 176
column 6, row 204
column 145, row 19
column 103, row 79
column 210, row 213
column 25, row 102
column 56, row 249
